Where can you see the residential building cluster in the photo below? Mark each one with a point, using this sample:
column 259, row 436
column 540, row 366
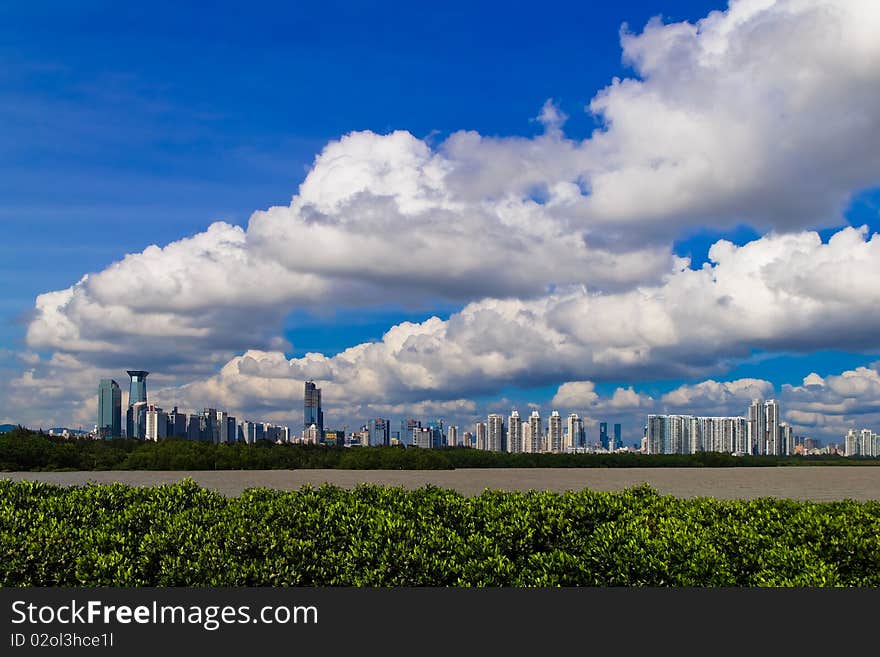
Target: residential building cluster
column 862, row 442
column 760, row 432
column 531, row 436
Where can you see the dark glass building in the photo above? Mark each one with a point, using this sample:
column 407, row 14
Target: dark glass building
column 380, row 431
column 312, row 413
column 137, row 391
column 603, row 434
column 137, row 394
column 109, row 409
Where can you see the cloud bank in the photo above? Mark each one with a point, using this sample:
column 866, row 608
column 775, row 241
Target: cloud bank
column 558, row 252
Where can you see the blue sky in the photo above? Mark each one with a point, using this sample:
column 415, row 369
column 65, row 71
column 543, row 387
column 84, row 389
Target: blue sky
column 121, row 129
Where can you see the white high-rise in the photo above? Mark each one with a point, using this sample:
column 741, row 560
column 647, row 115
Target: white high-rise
column 771, row 418
column 495, row 433
column 514, row 433
column 452, row 436
column 527, row 438
column 156, row 423
column 536, row 432
column 575, row 432
column 554, row 433
column 757, row 428
column 480, row 431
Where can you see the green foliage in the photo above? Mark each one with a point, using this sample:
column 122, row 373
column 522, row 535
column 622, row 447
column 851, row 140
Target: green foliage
column 185, row 535
column 21, row 449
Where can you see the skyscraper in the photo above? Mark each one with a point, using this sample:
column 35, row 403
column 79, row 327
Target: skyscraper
column 603, row 434
column 618, row 439
column 575, row 435
column 452, row 436
column 480, row 432
column 312, row 413
column 771, row 419
column 109, row 409
column 407, row 429
column 135, row 420
column 536, row 433
column 757, row 428
column 380, row 431
column 155, row 423
column 495, row 433
column 137, row 390
column 137, row 394
column 514, row 433
column 554, row 433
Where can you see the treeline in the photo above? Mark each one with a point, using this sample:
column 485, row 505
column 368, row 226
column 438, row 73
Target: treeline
column 184, row 535
column 22, row 450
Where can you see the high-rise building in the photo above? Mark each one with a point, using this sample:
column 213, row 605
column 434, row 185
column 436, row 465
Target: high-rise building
column 135, row 419
column 193, row 431
column 137, row 390
column 688, row 434
column 210, row 426
column 437, row 433
column 495, row 433
column 423, row 437
column 536, row 433
column 311, row 435
column 480, row 430
column 554, row 433
column 575, row 434
column 757, row 428
column 176, row 424
column 137, row 394
column 407, row 428
column 603, row 435
column 380, row 431
column 312, row 412
column 155, row 423
column 468, row 439
column 514, row 433
column 786, row 439
column 771, row 418
column 528, row 445
column 109, row 409
column 452, row 436
column 618, row 438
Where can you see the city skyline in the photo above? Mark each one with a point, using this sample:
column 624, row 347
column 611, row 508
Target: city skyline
column 665, row 208
column 758, row 431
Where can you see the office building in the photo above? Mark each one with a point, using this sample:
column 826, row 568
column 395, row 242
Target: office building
column 423, row 437
column 137, row 394
column 603, row 435
column 380, row 432
column 176, row 424
column 407, row 428
column 452, row 437
column 109, row 409
column 155, row 423
column 312, row 412
column 137, row 389
column 135, row 420
column 618, row 438
column 193, row 431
